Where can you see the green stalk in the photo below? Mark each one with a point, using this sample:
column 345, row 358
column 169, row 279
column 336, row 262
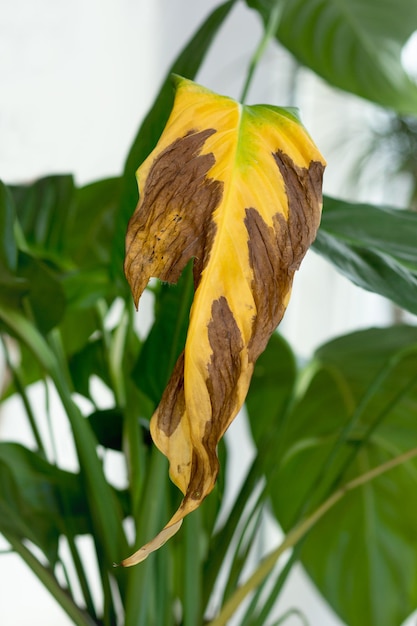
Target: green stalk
column 276, row 590
column 300, row 530
column 354, row 419
column 46, row 576
column 81, row 576
column 192, row 567
column 221, row 540
column 268, row 34
column 21, row 390
column 140, row 578
column 105, row 509
column 245, row 542
column 373, row 426
column 49, row 422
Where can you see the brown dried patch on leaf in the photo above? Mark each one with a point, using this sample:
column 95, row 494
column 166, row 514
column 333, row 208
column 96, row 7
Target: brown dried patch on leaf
column 224, row 369
column 275, row 253
column 173, row 218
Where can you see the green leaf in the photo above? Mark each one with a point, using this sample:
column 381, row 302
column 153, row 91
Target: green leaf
column 372, row 246
column 91, row 225
column 38, row 501
column 187, row 65
column 311, row 430
column 45, row 295
column 356, row 410
column 69, row 226
column 8, row 249
column 166, row 338
column 353, row 44
column 43, row 210
column 12, row 287
column 91, row 359
column 107, row 426
column 270, row 390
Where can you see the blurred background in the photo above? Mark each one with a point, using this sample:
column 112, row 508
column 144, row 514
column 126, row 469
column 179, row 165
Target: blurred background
column 77, row 79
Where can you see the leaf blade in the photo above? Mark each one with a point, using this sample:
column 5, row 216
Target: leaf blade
column 358, row 239
column 237, row 188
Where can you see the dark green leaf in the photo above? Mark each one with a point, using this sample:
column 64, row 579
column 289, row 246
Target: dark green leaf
column 374, row 247
column 45, row 296
column 8, row 250
column 353, row 44
column 43, row 209
column 357, row 411
column 91, row 225
column 83, row 288
column 166, row 338
column 89, row 361
column 77, row 327
column 44, row 499
column 12, row 287
column 270, row 390
column 108, row 427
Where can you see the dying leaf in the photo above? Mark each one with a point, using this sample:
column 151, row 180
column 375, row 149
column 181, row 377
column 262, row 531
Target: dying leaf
column 238, row 189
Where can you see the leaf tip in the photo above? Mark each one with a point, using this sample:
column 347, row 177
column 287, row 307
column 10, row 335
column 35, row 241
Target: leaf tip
column 157, row 542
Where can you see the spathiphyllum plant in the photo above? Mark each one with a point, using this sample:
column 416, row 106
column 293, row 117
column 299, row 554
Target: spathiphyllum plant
column 227, row 201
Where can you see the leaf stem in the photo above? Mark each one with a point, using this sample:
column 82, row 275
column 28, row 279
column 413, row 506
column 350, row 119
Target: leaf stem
column 46, row 576
column 300, row 530
column 269, row 32
column 21, row 389
column 104, row 506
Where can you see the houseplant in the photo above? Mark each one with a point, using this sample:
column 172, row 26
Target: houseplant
column 347, row 415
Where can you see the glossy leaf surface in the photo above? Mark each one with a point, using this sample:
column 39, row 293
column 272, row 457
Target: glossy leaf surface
column 360, row 399
column 353, row 44
column 375, row 247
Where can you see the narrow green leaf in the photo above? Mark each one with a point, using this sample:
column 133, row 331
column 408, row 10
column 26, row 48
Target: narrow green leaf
column 51, row 498
column 46, row 576
column 374, row 247
column 140, row 579
column 193, row 549
column 107, row 425
column 103, row 505
column 8, row 250
column 167, row 337
column 187, row 65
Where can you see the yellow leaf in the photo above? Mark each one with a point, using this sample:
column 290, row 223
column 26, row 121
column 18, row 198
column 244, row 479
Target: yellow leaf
column 238, row 189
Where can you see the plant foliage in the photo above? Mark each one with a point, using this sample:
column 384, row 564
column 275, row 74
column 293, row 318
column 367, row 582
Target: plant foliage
column 335, row 437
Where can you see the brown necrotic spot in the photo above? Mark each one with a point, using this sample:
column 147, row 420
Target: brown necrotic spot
column 276, row 251
column 224, row 370
column 174, row 216
column 172, row 405
column 303, row 187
